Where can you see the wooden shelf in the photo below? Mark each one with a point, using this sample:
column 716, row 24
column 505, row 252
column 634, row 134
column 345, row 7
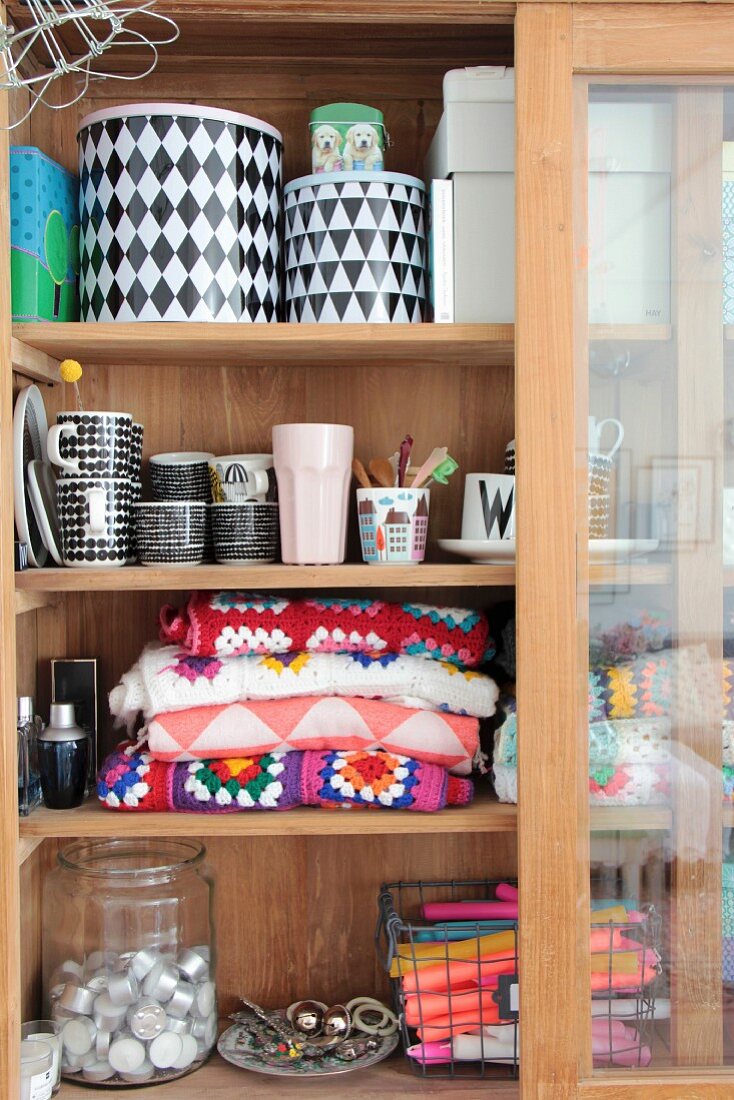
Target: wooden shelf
column 630, row 333
column 200, row 344
column 484, row 815
column 32, row 583
column 630, row 819
column 390, row 1080
column 138, row 578
column 626, row 574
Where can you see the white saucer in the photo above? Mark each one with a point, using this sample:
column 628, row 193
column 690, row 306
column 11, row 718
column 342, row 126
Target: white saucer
column 42, row 490
column 502, row 551
column 482, row 551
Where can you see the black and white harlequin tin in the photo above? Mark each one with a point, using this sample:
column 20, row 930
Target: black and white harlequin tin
column 355, row 247
column 180, row 215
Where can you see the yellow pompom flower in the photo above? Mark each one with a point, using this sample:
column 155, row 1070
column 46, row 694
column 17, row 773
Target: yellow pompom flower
column 70, row 370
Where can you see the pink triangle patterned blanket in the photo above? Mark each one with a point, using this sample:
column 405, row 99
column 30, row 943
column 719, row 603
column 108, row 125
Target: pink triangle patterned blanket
column 282, row 725
column 216, row 624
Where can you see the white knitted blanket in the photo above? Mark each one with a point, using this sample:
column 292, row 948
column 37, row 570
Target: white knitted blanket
column 166, row 679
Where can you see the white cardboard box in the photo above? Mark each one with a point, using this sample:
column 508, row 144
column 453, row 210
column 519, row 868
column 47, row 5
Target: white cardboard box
column 474, row 144
column 630, row 147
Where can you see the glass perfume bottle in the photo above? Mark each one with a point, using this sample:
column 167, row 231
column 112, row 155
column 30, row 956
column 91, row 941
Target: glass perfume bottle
column 29, row 780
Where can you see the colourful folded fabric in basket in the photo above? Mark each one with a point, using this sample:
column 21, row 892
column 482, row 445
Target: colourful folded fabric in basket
column 165, row 678
column 618, row 785
column 215, row 624
column 281, row 725
column 131, row 780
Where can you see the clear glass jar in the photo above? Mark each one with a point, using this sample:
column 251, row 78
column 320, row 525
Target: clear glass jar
column 128, row 959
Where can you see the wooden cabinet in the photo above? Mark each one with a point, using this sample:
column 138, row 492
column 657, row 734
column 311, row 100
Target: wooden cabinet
column 295, row 908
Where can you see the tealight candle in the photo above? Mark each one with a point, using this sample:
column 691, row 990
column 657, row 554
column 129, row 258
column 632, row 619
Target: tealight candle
column 98, row 1071
column 165, row 1049
column 160, row 982
column 181, row 1027
column 189, row 1052
column 148, row 1020
column 193, row 965
column 180, row 1003
column 102, row 1044
column 126, row 1054
column 78, row 1035
column 77, row 998
column 139, row 1075
column 123, row 988
column 205, row 996
column 143, row 962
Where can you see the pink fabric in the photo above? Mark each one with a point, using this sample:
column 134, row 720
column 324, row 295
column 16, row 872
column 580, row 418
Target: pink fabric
column 280, row 725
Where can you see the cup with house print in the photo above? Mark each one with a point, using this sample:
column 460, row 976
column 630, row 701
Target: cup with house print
column 393, row 525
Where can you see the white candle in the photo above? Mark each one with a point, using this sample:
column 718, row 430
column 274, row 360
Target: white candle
column 143, row 1073
column 126, row 1054
column 98, row 1071
column 165, row 1049
column 205, row 998
column 78, row 1035
column 54, row 1041
column 189, row 1051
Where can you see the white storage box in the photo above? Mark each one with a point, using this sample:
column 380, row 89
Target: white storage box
column 474, row 144
column 630, row 144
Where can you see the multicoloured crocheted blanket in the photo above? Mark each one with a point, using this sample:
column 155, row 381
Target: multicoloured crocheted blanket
column 216, row 624
column 282, row 725
column 131, row 780
column 166, row 678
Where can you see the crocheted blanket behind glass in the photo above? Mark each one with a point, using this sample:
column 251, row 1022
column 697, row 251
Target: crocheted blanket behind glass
column 131, row 780
column 228, row 623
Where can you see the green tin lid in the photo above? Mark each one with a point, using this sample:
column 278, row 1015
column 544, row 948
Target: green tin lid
column 346, row 114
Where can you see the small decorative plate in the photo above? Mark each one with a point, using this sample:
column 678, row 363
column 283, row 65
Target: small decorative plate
column 41, row 482
column 236, row 1045
column 30, row 429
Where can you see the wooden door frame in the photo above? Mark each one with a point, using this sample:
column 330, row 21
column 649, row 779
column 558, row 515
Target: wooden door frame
column 553, row 43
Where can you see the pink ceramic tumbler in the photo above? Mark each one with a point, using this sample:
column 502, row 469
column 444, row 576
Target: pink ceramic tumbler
column 313, row 465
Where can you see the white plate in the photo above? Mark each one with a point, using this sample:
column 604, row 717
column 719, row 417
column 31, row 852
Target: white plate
column 482, row 551
column 42, row 489
column 30, row 429
column 237, row 1046
column 502, row 551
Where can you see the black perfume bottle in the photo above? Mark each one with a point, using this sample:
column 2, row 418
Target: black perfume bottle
column 63, row 759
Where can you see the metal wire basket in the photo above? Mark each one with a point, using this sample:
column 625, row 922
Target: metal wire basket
column 474, row 1003
column 477, row 1032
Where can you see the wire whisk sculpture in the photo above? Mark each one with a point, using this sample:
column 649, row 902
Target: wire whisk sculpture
column 99, row 24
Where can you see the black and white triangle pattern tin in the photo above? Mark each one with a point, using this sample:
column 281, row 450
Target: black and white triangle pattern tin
column 180, row 215
column 355, row 248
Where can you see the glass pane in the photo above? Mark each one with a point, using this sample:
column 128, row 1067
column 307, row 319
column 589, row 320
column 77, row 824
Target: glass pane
column 654, row 465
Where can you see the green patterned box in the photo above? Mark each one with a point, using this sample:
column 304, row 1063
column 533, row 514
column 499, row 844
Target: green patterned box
column 44, row 237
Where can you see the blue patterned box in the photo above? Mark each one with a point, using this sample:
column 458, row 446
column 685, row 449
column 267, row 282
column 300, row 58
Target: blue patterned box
column 44, row 237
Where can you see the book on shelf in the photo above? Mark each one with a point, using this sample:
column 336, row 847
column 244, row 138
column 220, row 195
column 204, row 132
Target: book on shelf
column 441, row 251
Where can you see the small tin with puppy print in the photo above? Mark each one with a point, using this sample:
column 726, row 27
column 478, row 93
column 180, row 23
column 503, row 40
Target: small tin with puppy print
column 347, row 137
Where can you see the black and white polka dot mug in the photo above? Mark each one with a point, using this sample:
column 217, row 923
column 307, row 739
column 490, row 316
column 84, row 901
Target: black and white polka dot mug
column 96, row 521
column 91, row 444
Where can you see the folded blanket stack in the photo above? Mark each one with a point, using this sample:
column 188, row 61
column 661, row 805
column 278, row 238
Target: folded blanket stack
column 631, row 747
column 245, row 677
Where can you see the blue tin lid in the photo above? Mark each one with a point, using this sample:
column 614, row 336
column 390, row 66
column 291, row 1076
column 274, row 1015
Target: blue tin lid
column 319, row 178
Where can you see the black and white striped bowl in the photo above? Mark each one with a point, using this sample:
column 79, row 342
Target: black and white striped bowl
column 171, row 532
column 181, row 475
column 245, row 531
